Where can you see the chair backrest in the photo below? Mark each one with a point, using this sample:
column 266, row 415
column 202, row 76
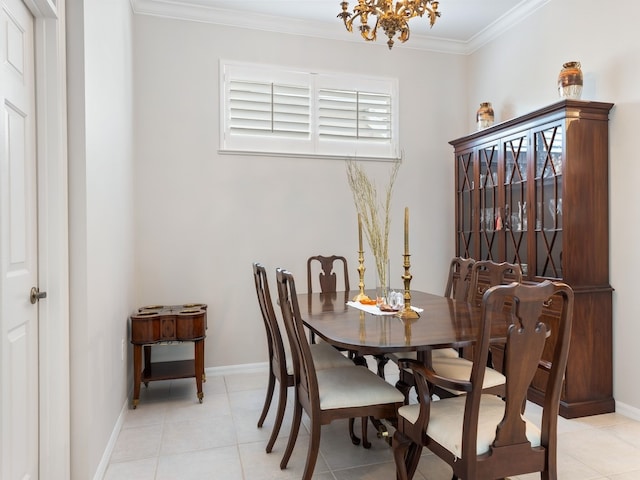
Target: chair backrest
column 459, row 278
column 526, row 337
column 304, row 372
column 326, row 274
column 485, row 274
column 277, row 355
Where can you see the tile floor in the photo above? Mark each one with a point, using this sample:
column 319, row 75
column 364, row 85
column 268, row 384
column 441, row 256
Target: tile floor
column 170, row 436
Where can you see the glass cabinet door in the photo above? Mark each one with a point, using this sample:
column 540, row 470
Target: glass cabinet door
column 548, row 195
column 516, row 210
column 491, row 216
column 465, row 205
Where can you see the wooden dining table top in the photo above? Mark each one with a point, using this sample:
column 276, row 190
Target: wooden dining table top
column 443, row 322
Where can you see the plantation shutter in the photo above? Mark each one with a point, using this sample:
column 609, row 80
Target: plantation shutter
column 352, row 115
column 262, row 108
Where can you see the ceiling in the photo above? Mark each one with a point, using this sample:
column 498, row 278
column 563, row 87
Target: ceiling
column 464, row 25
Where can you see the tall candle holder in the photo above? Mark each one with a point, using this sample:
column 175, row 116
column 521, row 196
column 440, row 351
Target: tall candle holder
column 361, row 269
column 407, row 312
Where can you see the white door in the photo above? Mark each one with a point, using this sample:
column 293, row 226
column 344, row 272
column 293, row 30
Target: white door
column 18, row 246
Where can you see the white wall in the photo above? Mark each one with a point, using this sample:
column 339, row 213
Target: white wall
column 101, row 221
column 518, row 73
column 203, row 218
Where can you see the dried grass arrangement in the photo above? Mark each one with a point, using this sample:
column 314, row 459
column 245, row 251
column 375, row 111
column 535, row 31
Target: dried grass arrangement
column 374, row 212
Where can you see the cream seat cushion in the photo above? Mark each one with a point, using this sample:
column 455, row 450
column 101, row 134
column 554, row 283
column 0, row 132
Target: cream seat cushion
column 446, row 417
column 324, row 356
column 436, row 352
column 344, row 387
column 460, row 369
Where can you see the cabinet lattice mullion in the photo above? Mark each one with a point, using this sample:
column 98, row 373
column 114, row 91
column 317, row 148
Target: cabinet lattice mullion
column 534, row 191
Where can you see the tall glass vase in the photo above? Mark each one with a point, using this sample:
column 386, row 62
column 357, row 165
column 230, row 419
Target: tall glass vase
column 382, row 282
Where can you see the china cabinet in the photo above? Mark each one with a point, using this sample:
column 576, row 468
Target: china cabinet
column 534, row 191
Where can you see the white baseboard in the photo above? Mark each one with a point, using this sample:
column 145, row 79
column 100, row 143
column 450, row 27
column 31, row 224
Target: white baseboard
column 106, row 456
column 262, row 367
column 628, row 411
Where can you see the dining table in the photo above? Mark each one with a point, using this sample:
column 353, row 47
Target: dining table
column 443, row 322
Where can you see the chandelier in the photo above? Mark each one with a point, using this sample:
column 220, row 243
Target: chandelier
column 392, row 16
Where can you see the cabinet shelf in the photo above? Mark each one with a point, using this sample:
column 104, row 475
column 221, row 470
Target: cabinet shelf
column 545, row 172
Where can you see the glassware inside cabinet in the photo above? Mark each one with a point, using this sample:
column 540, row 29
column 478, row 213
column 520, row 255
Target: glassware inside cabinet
column 548, row 193
column 492, row 217
column 515, row 197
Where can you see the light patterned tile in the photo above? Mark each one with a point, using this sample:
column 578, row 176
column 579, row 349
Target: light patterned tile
column 212, row 464
column 259, row 465
column 433, row 467
column 212, row 406
column 628, row 431
column 190, row 435
column 134, row 470
column 340, row 453
column 145, row 414
column 635, row 475
column 372, row 472
column 170, row 435
column 137, row 443
column 248, row 381
column 600, row 450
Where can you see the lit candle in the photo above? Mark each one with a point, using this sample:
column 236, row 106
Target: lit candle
column 406, row 230
column 359, row 233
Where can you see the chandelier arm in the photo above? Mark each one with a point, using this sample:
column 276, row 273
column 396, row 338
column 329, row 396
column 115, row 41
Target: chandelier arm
column 368, row 33
column 349, row 22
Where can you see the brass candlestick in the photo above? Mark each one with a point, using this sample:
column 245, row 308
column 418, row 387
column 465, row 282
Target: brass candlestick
column 407, row 312
column 361, row 269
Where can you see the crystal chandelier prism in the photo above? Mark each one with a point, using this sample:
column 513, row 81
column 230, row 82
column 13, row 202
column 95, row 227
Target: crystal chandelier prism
column 391, row 15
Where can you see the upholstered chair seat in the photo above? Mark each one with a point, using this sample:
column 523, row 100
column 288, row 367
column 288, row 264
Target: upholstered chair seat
column 446, row 420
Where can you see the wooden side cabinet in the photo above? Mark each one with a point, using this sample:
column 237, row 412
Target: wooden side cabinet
column 534, row 191
column 155, row 325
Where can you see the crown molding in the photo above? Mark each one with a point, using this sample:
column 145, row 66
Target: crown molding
column 509, row 20
column 200, row 11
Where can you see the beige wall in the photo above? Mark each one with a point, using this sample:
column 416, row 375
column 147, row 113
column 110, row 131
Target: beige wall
column 101, row 222
column 203, row 218
column 518, row 73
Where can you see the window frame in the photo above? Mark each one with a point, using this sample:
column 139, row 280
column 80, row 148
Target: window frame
column 260, row 142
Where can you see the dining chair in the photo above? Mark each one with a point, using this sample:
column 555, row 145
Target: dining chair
column 331, row 394
column 448, row 361
column 483, row 436
column 483, row 275
column 487, row 273
column 325, row 268
column 280, row 365
column 457, row 288
column 327, row 276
